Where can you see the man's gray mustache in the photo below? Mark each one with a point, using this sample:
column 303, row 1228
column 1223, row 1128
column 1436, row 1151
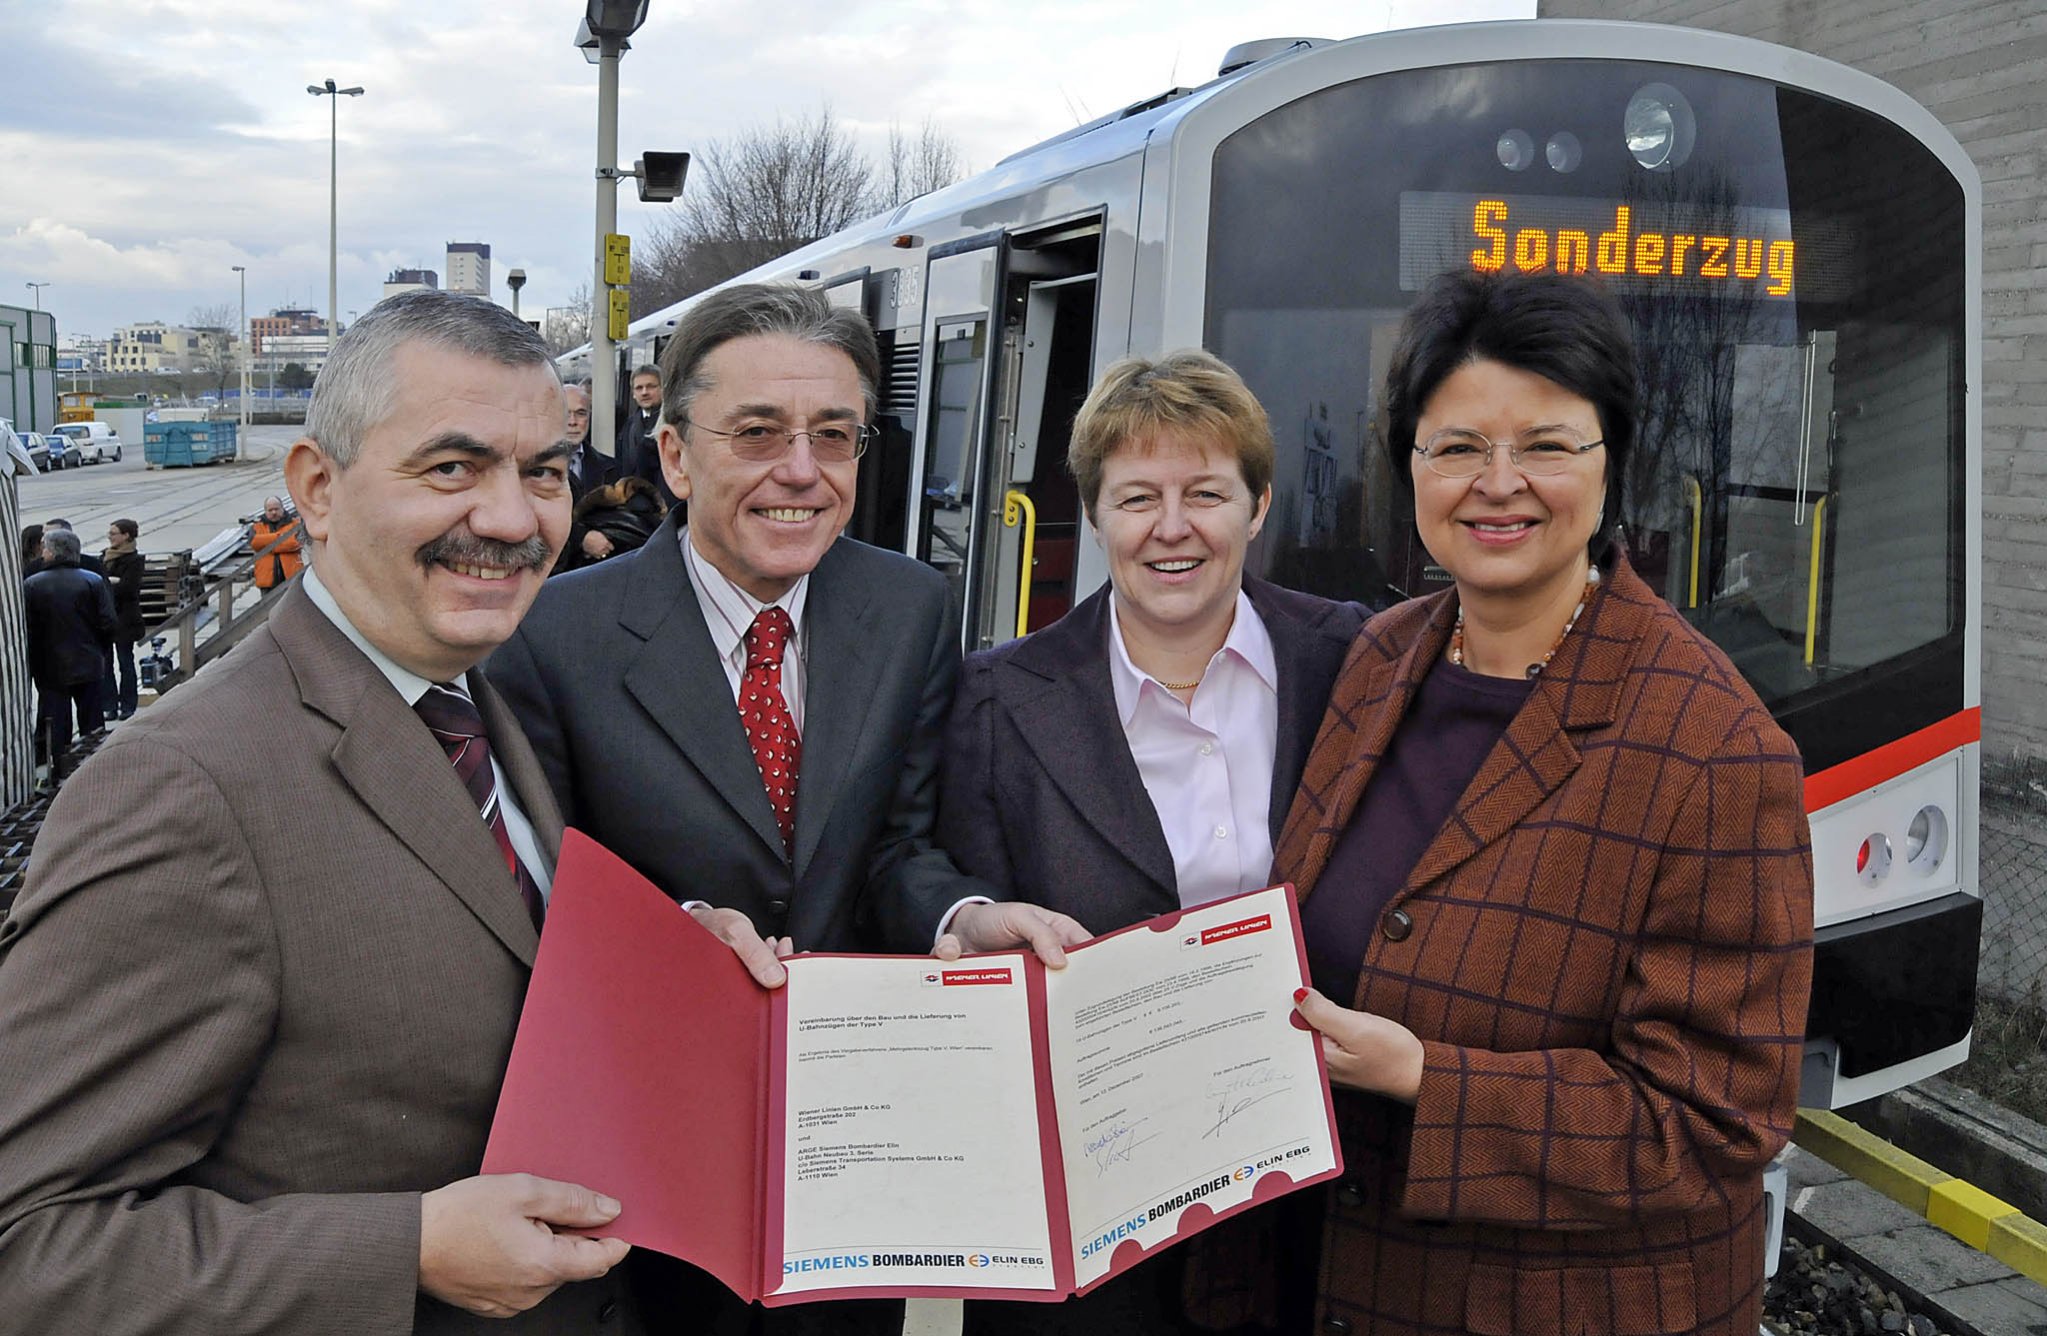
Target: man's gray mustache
column 469, row 550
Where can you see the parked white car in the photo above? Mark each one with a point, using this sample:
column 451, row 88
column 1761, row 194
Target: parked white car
column 97, row 442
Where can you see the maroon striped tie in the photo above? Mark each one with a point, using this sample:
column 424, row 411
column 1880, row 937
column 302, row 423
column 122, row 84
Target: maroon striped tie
column 458, row 727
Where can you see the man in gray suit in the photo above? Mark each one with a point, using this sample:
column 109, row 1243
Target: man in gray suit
column 750, row 710
column 258, row 995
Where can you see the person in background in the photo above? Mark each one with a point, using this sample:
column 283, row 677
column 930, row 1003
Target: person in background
column 588, row 471
column 1555, row 877
column 638, row 451
column 31, row 549
column 86, row 560
column 124, row 577
column 69, row 614
column 274, row 538
column 1138, row 755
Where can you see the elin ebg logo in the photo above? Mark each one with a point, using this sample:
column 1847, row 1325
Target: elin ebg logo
column 977, row 1259
column 1243, row 1173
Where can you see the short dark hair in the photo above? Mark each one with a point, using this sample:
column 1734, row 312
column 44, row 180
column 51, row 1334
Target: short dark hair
column 1566, row 329
column 32, row 543
column 129, row 527
column 644, row 369
column 762, row 308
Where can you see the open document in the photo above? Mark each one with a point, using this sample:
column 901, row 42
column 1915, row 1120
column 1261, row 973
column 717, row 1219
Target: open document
column 903, row 1126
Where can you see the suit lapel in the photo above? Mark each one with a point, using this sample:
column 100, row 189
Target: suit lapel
column 677, row 679
column 522, row 768
column 839, row 684
column 1371, row 695
column 1307, row 658
column 1071, row 724
column 391, row 762
column 1578, row 691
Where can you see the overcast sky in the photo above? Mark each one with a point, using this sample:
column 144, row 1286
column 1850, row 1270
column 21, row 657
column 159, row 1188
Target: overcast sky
column 148, row 145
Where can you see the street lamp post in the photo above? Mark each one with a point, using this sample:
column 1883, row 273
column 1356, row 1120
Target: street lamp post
column 242, row 362
column 38, row 287
column 602, row 39
column 328, row 89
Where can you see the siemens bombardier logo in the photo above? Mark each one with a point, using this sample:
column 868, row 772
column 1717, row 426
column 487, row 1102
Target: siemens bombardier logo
column 1192, row 1195
column 797, row 1266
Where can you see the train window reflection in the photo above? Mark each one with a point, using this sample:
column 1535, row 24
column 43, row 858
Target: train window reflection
column 1797, row 487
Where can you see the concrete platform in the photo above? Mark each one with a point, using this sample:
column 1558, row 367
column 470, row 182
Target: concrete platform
column 175, row 508
column 1972, row 1292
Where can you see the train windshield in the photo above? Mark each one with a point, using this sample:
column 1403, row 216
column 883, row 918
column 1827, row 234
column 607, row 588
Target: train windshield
column 1794, row 271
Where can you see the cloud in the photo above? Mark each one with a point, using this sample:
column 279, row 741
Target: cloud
column 184, row 141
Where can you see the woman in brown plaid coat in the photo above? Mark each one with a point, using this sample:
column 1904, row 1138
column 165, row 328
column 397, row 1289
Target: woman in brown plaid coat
column 1555, row 876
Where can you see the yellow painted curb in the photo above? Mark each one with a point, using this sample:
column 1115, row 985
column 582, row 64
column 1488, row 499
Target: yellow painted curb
column 2020, row 1242
column 1962, row 1209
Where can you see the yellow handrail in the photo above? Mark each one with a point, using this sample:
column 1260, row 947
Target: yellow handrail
column 1016, row 507
column 1812, row 582
column 1698, row 517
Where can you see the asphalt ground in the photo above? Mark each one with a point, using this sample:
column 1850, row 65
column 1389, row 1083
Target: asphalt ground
column 175, row 508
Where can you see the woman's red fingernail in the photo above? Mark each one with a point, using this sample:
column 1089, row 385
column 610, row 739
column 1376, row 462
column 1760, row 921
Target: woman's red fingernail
column 1299, row 993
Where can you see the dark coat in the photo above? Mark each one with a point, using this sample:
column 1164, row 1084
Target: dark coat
column 70, row 616
column 596, row 472
column 1606, row 952
column 1040, row 795
column 615, row 680
column 124, row 576
column 627, row 512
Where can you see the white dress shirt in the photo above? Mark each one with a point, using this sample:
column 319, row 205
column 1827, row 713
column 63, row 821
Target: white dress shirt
column 1207, row 761
column 729, row 611
column 411, row 686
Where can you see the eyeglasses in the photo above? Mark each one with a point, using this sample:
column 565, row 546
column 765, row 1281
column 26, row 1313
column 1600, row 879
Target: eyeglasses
column 1458, row 452
column 760, row 443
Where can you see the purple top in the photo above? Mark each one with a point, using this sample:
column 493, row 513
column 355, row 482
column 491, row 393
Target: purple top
column 1452, row 723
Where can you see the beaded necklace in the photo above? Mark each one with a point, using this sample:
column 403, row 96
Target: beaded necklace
column 1456, row 652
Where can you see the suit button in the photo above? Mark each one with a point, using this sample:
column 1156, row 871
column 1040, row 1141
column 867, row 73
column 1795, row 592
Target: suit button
column 607, row 1310
column 1350, row 1193
column 779, row 908
column 1397, row 925
column 1336, row 1324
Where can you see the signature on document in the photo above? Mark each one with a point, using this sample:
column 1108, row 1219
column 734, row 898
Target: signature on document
column 1115, row 1144
column 1234, row 1092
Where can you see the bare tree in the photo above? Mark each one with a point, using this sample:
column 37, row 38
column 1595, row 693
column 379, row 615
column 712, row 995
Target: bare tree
column 216, row 360
column 772, row 189
column 568, row 327
column 917, row 166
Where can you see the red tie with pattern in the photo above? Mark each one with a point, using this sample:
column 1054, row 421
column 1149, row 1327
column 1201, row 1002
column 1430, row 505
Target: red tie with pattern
column 764, row 711
column 458, row 727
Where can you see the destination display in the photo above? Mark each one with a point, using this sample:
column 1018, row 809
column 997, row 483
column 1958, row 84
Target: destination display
column 899, row 1126
column 1637, row 245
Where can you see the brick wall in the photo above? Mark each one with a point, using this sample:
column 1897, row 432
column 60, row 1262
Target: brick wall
column 1982, row 69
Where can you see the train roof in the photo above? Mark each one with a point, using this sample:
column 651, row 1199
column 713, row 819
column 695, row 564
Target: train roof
column 1127, row 130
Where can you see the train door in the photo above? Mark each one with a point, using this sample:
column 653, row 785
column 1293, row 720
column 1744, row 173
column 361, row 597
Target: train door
column 1009, row 322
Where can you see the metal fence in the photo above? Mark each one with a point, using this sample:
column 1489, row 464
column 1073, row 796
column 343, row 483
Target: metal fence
column 2014, row 874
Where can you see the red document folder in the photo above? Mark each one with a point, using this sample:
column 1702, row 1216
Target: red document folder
column 648, row 1066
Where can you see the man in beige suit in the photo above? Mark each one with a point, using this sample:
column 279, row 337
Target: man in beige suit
column 257, row 997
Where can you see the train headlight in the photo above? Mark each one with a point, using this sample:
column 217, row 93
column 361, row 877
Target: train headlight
column 1516, row 150
column 1659, row 127
column 1926, row 840
column 1564, row 152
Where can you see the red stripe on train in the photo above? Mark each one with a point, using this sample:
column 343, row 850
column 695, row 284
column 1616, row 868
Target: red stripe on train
column 1892, row 759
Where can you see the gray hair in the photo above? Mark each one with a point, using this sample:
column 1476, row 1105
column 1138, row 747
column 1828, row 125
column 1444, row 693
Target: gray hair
column 355, row 389
column 63, row 546
column 761, row 308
